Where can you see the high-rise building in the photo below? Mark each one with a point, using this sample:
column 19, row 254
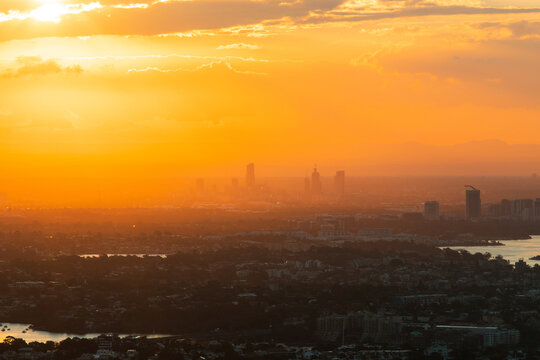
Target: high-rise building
column 316, row 186
column 431, row 210
column 506, row 207
column 537, row 209
column 473, row 204
column 494, row 210
column 339, row 184
column 250, row 175
column 523, row 209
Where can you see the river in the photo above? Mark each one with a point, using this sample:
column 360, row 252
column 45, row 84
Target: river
column 513, row 250
column 88, row 256
column 23, row 331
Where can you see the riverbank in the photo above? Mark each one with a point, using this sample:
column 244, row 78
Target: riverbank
column 511, row 250
column 30, row 333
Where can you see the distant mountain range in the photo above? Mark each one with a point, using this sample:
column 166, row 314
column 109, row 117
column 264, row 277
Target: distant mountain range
column 475, row 158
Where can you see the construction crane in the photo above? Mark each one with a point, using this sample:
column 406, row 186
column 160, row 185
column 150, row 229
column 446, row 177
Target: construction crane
column 471, row 187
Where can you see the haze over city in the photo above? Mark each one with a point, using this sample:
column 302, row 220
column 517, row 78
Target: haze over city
column 269, row 179
column 118, row 92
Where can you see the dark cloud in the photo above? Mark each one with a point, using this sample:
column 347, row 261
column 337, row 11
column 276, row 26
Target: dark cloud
column 353, row 16
column 164, row 18
column 182, row 16
column 518, row 28
column 524, row 28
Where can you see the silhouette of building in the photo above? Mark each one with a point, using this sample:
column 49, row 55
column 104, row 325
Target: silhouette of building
column 431, row 210
column 339, row 184
column 506, row 207
column 537, row 209
column 250, row 175
column 473, row 204
column 412, row 217
column 105, row 346
column 494, row 210
column 316, row 186
column 523, row 209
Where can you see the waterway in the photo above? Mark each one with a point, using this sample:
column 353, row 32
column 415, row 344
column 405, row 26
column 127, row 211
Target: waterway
column 86, row 256
column 513, row 250
column 23, row 331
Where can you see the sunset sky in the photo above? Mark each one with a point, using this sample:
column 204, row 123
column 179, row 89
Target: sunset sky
column 124, row 89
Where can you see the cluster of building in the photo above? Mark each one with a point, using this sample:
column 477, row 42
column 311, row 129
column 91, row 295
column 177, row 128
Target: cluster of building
column 313, row 187
column 405, row 297
column 132, row 348
column 522, row 209
column 518, row 209
column 329, row 233
column 367, row 327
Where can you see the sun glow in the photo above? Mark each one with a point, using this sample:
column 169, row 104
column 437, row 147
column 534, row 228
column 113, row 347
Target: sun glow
column 53, row 10
column 49, row 12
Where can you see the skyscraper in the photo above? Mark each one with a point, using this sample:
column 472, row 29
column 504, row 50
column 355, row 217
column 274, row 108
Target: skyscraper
column 506, row 207
column 339, row 184
column 250, row 175
column 523, row 209
column 431, row 210
column 473, row 204
column 537, row 209
column 494, row 210
column 316, row 186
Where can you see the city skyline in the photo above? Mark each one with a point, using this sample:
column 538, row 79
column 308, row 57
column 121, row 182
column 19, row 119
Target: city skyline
column 269, row 179
column 117, row 91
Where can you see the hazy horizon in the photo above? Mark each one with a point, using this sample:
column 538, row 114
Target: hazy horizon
column 269, row 179
column 129, row 95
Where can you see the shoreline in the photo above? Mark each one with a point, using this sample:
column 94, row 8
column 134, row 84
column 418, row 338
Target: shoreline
column 483, row 242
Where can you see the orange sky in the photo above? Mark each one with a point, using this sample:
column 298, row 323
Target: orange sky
column 127, row 89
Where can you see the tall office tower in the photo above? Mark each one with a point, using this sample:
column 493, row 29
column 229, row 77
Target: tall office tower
column 339, row 184
column 523, row 209
column 431, row 210
column 537, row 209
column 473, row 204
column 234, row 184
column 506, row 207
column 494, row 210
column 316, row 186
column 250, row 175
